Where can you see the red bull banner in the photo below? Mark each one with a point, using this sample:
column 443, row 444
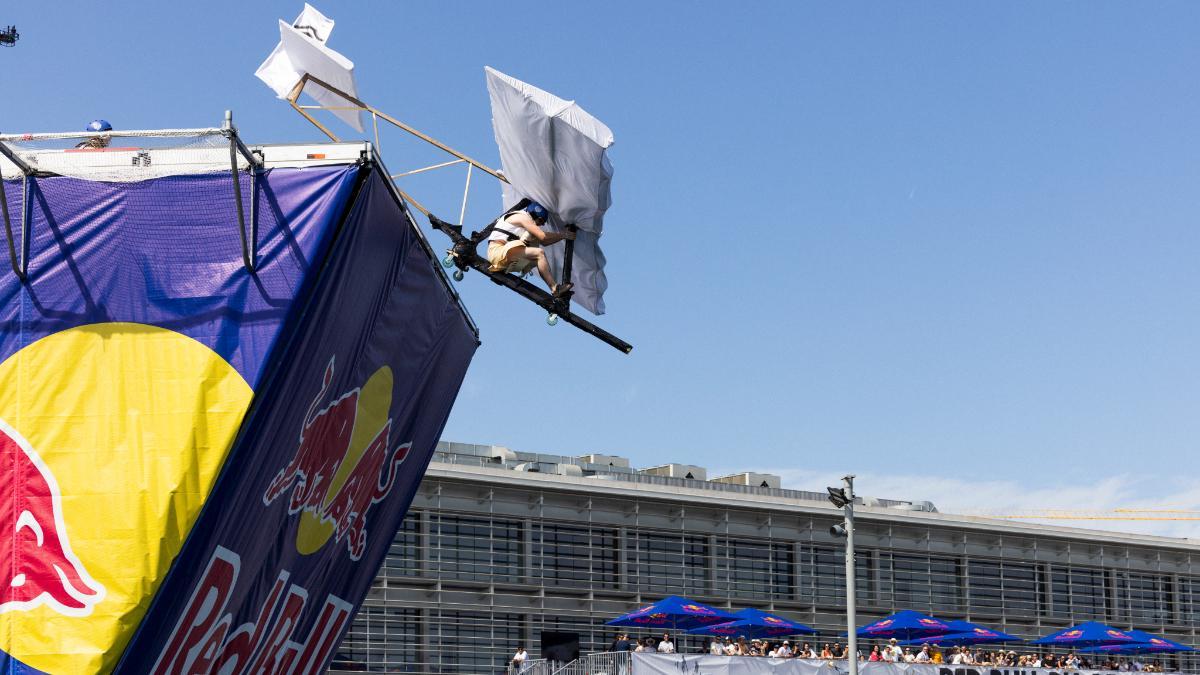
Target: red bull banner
column 203, row 465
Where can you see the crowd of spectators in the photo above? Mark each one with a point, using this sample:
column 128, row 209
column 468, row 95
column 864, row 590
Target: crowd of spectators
column 892, row 652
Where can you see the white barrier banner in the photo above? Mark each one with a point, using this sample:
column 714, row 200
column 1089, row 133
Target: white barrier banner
column 649, row 663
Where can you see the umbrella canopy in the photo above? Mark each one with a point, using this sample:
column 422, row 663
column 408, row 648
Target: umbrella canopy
column 1087, row 634
column 753, row 623
column 905, row 625
column 675, row 613
column 1146, row 643
column 965, row 633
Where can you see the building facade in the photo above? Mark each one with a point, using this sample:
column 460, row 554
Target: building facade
column 500, row 546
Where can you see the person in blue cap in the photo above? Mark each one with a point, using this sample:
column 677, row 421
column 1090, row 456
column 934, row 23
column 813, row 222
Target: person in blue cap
column 516, row 241
column 96, row 142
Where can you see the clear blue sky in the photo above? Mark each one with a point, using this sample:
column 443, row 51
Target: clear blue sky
column 949, row 240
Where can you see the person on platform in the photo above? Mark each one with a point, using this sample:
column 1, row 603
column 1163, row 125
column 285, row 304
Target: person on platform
column 784, row 651
column 716, row 648
column 875, row 655
column 516, row 242
column 96, row 142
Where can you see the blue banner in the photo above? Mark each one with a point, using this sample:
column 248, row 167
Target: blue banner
column 325, row 468
column 128, row 360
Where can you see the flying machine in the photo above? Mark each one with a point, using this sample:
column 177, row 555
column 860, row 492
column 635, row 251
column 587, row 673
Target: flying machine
column 9, row 36
column 552, row 152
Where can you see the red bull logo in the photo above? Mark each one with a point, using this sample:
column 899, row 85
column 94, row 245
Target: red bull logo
column 344, row 463
column 697, row 609
column 932, row 623
column 773, row 620
column 1117, row 634
column 44, row 570
column 881, row 625
column 647, row 608
column 1069, row 635
column 984, row 632
column 656, row 618
column 1159, row 641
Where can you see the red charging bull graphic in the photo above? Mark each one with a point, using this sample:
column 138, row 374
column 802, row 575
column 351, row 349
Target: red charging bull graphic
column 325, row 442
column 33, row 535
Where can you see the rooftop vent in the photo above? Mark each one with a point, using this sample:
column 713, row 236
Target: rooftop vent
column 606, row 460
column 766, row 480
column 678, row 471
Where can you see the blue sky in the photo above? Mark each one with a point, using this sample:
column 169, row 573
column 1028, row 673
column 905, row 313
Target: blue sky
column 948, row 246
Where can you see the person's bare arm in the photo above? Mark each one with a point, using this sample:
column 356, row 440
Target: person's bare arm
column 545, row 238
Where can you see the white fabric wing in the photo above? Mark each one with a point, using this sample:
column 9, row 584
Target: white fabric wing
column 554, row 152
column 301, row 50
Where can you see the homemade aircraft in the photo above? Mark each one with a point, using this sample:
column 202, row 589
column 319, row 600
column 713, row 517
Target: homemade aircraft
column 552, row 151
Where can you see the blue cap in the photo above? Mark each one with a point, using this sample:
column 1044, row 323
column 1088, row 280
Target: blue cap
column 537, row 211
column 99, row 125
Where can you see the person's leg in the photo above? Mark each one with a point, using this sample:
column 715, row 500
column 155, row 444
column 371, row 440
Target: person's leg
column 538, row 256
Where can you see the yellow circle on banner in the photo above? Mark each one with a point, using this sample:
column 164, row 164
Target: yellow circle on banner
column 131, row 423
column 371, row 414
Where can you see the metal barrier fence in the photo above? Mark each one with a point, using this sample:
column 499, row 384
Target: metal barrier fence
column 604, row 663
column 533, row 667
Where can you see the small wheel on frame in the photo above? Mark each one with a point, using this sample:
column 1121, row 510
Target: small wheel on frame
column 448, row 261
column 552, row 319
column 458, row 275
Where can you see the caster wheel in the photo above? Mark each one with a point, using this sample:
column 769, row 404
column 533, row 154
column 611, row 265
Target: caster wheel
column 448, row 261
column 458, row 275
column 552, row 320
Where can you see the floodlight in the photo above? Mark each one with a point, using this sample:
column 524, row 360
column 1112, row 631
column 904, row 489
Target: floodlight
column 837, row 530
column 838, row 497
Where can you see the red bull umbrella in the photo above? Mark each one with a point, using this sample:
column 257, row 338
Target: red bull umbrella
column 965, row 633
column 675, row 613
column 753, row 623
column 1088, row 634
column 905, row 625
column 1147, row 643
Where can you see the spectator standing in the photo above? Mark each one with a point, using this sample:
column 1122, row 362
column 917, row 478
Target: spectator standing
column 715, row 647
column 518, row 660
column 784, row 651
column 923, row 656
column 875, row 656
column 666, row 646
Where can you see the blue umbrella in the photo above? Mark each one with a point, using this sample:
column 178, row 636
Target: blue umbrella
column 1087, row 634
column 753, row 623
column 675, row 613
column 965, row 633
column 907, row 625
column 1146, row 643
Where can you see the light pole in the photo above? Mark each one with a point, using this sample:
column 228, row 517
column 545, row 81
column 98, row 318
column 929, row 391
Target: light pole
column 844, row 498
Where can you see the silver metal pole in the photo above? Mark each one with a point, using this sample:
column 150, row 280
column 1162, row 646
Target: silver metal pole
column 851, row 582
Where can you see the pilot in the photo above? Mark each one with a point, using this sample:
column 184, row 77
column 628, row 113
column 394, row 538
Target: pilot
column 96, row 142
column 516, row 242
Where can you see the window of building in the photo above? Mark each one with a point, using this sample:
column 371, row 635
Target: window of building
column 383, row 639
column 821, row 576
column 474, row 642
column 668, row 563
column 1189, row 598
column 575, row 554
column 403, row 557
column 925, row 583
column 476, row 549
column 1142, row 598
column 1077, row 593
column 754, row 569
column 993, row 586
